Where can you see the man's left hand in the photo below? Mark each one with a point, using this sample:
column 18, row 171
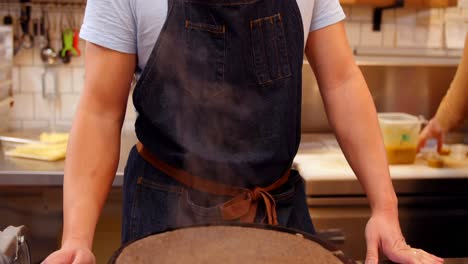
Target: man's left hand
column 383, row 231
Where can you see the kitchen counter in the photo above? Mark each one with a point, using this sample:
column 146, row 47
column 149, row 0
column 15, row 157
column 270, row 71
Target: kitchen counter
column 25, row 172
column 326, row 171
column 319, row 160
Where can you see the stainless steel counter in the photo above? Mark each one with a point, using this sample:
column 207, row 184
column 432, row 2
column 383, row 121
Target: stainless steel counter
column 25, row 172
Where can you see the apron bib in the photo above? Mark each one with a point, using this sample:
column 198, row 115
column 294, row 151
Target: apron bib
column 220, row 96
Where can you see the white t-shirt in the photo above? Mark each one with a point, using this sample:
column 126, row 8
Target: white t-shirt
column 133, row 26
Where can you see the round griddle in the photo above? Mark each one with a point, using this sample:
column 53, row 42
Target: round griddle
column 229, row 244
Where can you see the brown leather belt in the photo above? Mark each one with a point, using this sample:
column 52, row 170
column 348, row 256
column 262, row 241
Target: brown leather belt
column 243, row 206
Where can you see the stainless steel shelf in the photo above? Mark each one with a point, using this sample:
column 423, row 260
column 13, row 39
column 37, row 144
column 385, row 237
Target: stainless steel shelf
column 406, row 57
column 405, row 61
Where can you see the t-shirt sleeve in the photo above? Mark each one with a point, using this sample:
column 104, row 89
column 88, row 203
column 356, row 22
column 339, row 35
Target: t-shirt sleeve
column 111, row 24
column 326, row 13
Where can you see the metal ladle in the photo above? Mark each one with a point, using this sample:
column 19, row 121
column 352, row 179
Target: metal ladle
column 26, row 39
column 48, row 54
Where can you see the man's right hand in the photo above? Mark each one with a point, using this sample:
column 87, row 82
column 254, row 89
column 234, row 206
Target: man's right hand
column 72, row 252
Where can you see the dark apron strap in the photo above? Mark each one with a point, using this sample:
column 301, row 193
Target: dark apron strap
column 244, row 203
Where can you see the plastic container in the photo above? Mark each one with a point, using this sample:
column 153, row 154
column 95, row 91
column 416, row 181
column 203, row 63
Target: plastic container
column 401, row 134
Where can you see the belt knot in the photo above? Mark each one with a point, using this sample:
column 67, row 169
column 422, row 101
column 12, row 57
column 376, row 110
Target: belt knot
column 244, row 203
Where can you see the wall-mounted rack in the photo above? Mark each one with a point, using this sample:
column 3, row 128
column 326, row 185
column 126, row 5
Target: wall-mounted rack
column 381, row 5
column 378, row 12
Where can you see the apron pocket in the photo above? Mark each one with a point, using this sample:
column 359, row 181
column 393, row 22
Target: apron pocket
column 269, row 49
column 198, row 208
column 205, row 53
column 154, row 208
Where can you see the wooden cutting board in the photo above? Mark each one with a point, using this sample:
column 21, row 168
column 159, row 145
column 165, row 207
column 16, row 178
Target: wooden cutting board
column 333, row 166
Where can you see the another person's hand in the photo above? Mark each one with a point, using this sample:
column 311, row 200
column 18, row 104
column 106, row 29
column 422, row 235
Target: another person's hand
column 72, row 252
column 432, row 130
column 383, row 231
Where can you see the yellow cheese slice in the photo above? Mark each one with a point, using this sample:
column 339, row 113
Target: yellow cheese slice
column 47, row 152
column 53, row 137
column 52, row 147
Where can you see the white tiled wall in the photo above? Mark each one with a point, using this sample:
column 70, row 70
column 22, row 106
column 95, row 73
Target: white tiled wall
column 24, row 107
column 31, row 110
column 403, row 28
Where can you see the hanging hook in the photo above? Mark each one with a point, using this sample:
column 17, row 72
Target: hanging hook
column 378, row 12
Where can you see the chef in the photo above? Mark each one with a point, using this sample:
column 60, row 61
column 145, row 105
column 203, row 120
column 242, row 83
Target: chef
column 219, row 108
column 453, row 108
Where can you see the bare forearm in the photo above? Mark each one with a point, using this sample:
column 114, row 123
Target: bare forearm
column 454, row 106
column 92, row 160
column 352, row 114
column 93, row 151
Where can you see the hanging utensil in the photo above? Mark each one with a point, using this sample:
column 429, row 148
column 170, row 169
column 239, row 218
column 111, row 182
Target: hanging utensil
column 16, row 36
column 53, row 23
column 25, row 18
column 76, row 42
column 68, row 49
column 67, row 37
column 8, row 19
column 50, row 94
column 35, row 22
column 48, row 54
column 49, row 85
column 76, row 32
column 40, row 38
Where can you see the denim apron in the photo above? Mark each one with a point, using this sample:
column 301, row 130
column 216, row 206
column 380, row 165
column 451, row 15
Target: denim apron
column 220, row 97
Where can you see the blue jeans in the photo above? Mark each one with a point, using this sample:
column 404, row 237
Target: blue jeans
column 155, row 202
